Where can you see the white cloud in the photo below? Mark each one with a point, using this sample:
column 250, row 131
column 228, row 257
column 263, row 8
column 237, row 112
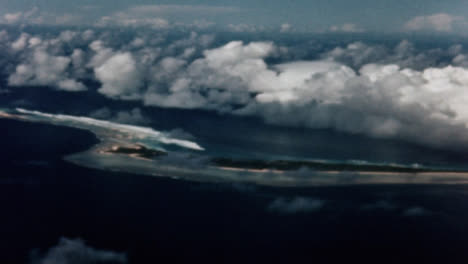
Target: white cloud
column 44, row 69
column 380, row 91
column 156, row 16
column 13, row 18
column 33, row 16
column 21, row 42
column 202, row 23
column 71, row 85
column 102, row 53
column 244, row 28
column 387, row 101
column 67, row 19
column 180, row 9
column 128, row 20
column 404, row 54
column 69, row 251
column 119, row 76
column 286, row 27
column 347, row 27
column 295, row 205
column 440, row 22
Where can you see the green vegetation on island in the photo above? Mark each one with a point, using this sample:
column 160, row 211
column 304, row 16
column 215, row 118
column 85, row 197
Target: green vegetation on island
column 139, row 151
column 314, row 165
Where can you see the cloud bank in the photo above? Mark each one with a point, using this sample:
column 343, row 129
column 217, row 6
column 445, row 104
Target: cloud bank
column 376, row 90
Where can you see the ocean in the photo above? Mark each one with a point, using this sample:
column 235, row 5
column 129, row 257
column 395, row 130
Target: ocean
column 152, row 219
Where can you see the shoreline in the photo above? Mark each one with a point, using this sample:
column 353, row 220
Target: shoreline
column 98, row 156
column 266, row 177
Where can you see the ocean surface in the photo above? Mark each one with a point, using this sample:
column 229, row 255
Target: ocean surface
column 155, row 219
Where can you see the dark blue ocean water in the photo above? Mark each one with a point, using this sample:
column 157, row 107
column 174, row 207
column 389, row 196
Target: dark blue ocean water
column 158, row 220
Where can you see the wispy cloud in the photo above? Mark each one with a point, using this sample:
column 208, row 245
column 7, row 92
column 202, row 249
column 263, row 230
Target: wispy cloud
column 346, row 28
column 440, row 22
column 295, row 205
column 178, row 9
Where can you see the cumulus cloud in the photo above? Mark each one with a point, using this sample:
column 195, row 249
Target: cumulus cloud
column 45, row 69
column 21, row 42
column 295, row 205
column 217, row 80
column 377, row 100
column 440, row 22
column 404, row 54
column 376, row 90
column 47, row 61
column 75, row 251
column 119, row 76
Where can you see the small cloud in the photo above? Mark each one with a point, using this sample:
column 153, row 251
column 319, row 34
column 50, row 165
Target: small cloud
column 70, row 251
column 128, row 20
column 295, row 205
column 32, row 16
column 416, row 211
column 440, row 22
column 180, row 134
column 244, row 28
column 13, row 18
column 67, row 19
column 181, row 9
column 346, row 28
column 21, row 42
column 156, row 16
column 286, row 27
column 89, row 7
column 202, row 23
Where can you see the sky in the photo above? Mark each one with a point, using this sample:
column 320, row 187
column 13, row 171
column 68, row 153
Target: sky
column 301, row 15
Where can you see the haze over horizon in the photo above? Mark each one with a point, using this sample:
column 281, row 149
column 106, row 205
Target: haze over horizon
column 285, row 16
